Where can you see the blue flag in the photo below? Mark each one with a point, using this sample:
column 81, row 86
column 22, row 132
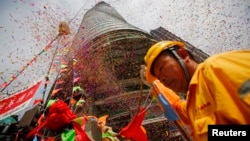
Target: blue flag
column 169, row 112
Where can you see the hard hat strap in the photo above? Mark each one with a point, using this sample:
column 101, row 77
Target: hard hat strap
column 181, row 62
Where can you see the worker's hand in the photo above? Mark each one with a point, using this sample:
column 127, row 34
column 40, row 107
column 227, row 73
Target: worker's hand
column 143, row 76
column 169, row 95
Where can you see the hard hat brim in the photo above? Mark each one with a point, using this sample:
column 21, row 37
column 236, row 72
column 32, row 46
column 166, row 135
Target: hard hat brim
column 157, row 49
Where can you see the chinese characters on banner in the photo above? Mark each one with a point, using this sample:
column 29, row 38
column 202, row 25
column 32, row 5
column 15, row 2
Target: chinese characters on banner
column 17, row 102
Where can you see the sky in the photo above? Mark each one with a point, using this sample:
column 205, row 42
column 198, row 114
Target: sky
column 27, row 26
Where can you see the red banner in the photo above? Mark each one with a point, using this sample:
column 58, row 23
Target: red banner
column 17, row 102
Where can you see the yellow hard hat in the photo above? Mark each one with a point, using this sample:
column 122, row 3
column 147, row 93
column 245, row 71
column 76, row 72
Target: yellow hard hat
column 152, row 54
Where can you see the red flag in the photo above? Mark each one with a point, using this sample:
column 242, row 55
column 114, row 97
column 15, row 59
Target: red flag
column 17, row 102
column 76, row 79
column 37, row 101
column 80, row 130
column 47, row 47
column 134, row 130
column 47, row 138
column 47, row 82
column 4, row 84
column 13, row 77
column 59, row 81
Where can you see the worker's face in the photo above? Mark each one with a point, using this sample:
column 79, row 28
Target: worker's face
column 170, row 73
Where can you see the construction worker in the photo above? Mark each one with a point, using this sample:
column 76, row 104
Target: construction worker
column 212, row 87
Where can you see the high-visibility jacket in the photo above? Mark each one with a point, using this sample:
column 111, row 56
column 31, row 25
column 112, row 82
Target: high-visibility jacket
column 214, row 95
